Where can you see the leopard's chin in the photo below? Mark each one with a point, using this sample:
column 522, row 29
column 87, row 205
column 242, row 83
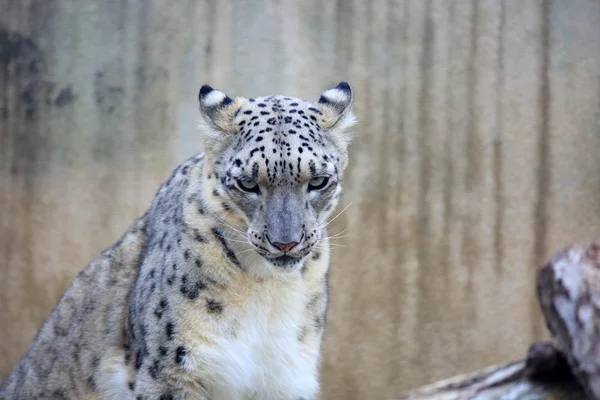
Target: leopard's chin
column 285, row 261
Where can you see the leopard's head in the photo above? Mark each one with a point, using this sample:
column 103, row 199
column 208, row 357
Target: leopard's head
column 276, row 164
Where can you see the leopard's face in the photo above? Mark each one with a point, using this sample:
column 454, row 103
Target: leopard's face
column 280, row 170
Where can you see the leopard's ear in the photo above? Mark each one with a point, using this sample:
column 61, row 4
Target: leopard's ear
column 218, row 109
column 336, row 106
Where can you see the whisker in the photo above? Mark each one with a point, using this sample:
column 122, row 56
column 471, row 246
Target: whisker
column 241, row 233
column 324, row 245
column 234, row 230
column 223, row 221
column 337, row 235
column 245, row 251
column 333, row 219
column 235, row 234
column 234, row 240
column 337, row 245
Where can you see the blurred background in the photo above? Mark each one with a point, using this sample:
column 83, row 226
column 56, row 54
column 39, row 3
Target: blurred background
column 477, row 156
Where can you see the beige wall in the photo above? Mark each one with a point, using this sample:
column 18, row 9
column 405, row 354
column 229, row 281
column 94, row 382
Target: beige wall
column 477, row 155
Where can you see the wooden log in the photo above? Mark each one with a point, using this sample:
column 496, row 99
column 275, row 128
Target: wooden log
column 568, row 289
column 543, row 375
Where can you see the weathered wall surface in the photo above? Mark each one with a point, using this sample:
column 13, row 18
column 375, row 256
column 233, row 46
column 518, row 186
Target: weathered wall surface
column 477, row 155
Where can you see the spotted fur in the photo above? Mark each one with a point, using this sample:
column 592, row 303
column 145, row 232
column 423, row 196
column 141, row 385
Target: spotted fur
column 219, row 291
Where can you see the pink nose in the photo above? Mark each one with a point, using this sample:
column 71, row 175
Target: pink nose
column 285, row 247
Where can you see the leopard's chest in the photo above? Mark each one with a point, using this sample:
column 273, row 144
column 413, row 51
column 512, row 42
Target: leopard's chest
column 257, row 353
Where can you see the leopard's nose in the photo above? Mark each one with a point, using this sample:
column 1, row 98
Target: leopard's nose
column 285, row 247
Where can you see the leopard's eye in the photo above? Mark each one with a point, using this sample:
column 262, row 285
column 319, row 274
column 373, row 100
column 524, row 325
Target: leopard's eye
column 248, row 185
column 318, row 183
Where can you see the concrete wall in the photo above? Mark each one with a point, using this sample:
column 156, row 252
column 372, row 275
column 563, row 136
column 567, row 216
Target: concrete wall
column 477, row 155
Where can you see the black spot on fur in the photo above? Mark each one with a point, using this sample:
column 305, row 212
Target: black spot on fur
column 139, row 358
column 154, row 369
column 179, row 354
column 213, row 306
column 127, row 357
column 91, row 382
column 312, row 167
column 131, row 386
column 228, row 252
column 191, row 291
column 169, row 330
column 199, row 237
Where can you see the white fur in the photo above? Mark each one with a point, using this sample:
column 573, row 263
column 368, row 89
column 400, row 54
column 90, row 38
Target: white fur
column 340, row 132
column 112, row 381
column 263, row 359
column 213, row 98
column 336, row 95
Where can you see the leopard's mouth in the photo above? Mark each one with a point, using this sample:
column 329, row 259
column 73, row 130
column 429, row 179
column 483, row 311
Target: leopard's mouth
column 285, row 260
column 289, row 260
